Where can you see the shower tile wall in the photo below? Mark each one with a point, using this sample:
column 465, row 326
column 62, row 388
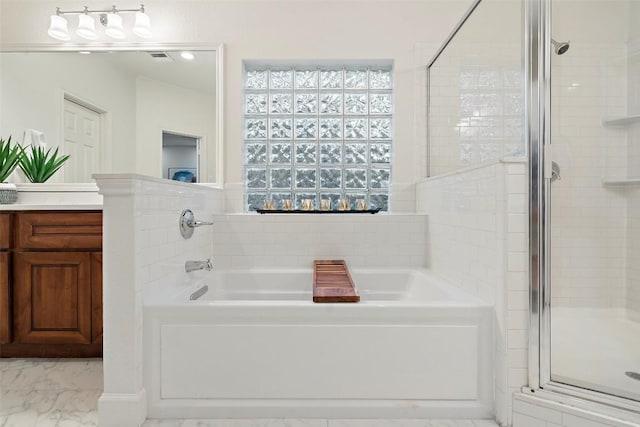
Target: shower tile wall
column 633, row 257
column 588, row 221
column 633, row 165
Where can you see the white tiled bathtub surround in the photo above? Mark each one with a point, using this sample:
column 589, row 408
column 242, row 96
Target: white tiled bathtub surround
column 413, row 347
column 143, row 254
column 477, row 240
column 289, row 240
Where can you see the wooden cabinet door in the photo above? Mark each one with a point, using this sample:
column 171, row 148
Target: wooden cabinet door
column 5, row 299
column 96, row 297
column 59, row 230
column 52, row 297
column 5, row 231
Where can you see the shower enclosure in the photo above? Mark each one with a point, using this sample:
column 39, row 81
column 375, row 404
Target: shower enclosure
column 557, row 83
column 584, row 226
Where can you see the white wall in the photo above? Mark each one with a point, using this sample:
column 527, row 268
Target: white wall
column 284, row 30
column 164, row 107
column 32, row 89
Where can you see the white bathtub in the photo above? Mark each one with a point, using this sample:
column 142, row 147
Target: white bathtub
column 255, row 345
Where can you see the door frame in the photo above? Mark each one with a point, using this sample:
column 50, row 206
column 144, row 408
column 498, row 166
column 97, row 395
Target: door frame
column 200, row 142
column 539, row 143
column 105, row 125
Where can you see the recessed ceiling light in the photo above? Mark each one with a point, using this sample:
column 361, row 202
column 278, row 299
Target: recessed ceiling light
column 187, row 55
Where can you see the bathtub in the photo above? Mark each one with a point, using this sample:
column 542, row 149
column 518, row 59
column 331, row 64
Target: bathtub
column 256, row 346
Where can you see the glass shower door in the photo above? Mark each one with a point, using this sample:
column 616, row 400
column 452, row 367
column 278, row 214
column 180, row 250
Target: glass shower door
column 595, row 196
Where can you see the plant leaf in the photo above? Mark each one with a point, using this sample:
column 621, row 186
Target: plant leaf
column 10, row 158
column 41, row 165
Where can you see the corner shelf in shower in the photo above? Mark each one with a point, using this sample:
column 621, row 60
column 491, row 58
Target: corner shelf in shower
column 628, row 182
column 622, row 121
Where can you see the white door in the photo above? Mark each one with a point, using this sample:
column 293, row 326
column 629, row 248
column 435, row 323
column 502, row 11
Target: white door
column 81, row 141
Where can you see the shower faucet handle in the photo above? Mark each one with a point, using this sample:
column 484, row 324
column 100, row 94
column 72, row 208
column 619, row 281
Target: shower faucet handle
column 188, row 223
column 194, row 223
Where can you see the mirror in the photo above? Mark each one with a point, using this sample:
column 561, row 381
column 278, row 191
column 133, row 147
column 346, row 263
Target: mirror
column 476, row 91
column 111, row 110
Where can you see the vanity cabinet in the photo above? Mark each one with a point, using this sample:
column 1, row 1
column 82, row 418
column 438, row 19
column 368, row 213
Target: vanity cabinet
column 5, row 275
column 54, row 285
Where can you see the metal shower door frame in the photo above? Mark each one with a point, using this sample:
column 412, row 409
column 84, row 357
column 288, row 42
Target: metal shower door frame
column 538, row 139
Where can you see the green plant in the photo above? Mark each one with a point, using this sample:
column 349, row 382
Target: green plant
column 9, row 158
column 39, row 165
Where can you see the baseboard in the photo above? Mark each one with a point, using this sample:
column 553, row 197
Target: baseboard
column 330, row 409
column 122, row 409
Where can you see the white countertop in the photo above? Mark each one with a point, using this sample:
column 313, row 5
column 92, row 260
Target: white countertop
column 56, row 197
column 51, row 207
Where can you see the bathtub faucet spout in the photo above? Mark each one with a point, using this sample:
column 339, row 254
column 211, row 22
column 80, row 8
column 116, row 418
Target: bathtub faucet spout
column 198, row 265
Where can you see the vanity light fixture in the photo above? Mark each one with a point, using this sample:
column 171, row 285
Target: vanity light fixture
column 86, row 26
column 109, row 18
column 114, row 25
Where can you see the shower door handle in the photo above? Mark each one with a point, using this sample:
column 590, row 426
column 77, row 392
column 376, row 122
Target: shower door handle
column 555, row 172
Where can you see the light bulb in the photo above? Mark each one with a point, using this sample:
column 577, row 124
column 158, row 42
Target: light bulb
column 187, row 55
column 114, row 26
column 142, row 27
column 86, row 27
column 58, row 28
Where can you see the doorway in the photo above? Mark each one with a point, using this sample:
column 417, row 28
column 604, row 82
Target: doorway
column 82, row 141
column 180, row 157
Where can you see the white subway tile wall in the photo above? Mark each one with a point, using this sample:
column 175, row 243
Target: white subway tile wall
column 588, row 221
column 281, row 240
column 477, row 240
column 633, row 170
column 633, row 254
column 160, row 249
column 144, row 257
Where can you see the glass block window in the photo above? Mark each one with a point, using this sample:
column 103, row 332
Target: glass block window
column 317, row 133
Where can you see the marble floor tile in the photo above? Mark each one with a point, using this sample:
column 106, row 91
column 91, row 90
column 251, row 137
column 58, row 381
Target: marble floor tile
column 51, row 374
column 65, row 392
column 238, row 423
column 50, row 392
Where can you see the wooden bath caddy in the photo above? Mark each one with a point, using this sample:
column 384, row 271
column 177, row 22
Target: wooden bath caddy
column 332, row 282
